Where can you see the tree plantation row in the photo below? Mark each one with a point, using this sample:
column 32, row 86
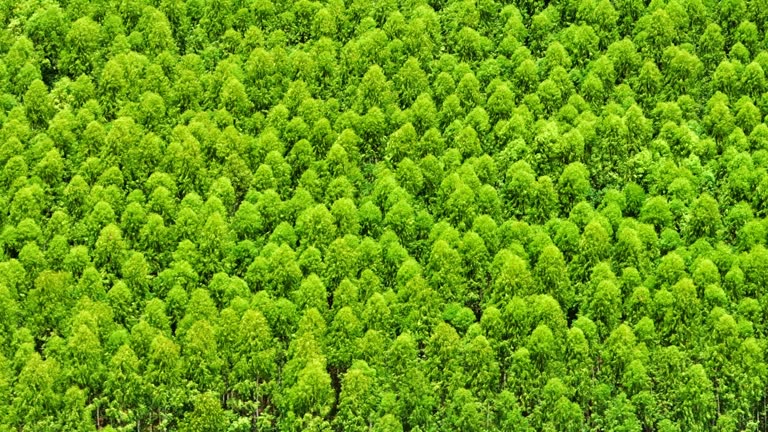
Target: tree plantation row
column 383, row 215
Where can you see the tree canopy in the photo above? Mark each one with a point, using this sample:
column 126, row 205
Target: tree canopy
column 390, row 215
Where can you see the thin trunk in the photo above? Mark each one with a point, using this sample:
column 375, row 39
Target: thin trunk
column 717, row 395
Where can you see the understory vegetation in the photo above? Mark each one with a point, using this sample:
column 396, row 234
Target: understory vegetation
column 383, row 215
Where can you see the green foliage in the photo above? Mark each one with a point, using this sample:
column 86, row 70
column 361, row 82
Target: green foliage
column 226, row 215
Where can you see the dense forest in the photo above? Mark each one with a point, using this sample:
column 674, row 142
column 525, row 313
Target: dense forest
column 383, row 215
